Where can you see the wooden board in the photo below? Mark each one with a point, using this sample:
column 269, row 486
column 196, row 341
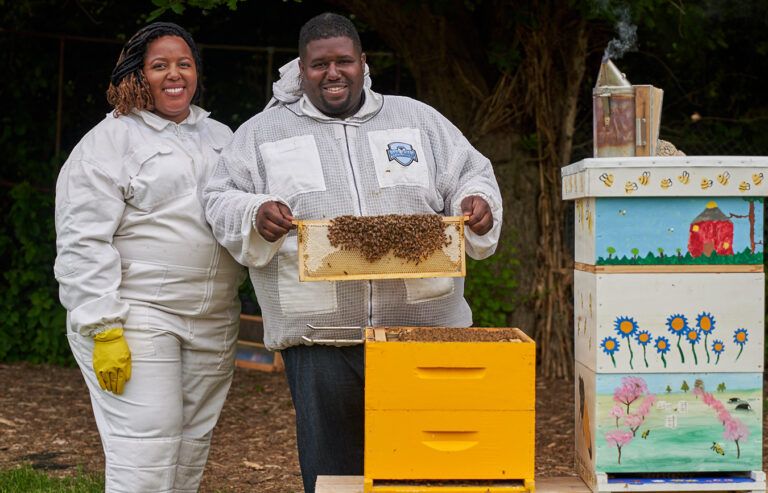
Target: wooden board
column 612, row 310
column 648, row 101
column 666, row 176
column 354, row 484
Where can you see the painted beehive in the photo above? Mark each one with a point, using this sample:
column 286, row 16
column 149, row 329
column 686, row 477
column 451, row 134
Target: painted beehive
column 449, row 411
column 668, row 314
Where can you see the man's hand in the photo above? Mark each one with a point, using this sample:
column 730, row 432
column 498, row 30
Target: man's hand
column 478, row 214
column 273, row 220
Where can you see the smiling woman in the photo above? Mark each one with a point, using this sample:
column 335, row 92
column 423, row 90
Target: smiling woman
column 153, row 330
column 158, row 70
column 170, row 69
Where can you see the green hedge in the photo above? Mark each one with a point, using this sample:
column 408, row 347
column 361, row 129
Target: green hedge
column 31, row 319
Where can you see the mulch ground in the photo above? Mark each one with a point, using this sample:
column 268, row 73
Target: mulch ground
column 46, row 421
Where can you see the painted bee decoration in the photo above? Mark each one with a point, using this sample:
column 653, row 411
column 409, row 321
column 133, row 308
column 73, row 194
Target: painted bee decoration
column 723, row 178
column 630, row 187
column 645, row 178
column 646, row 433
column 684, row 177
column 666, row 183
column 744, row 186
column 717, row 448
column 706, row 183
column 607, row 179
column 757, row 178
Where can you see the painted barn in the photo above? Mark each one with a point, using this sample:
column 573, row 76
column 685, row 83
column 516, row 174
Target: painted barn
column 711, row 231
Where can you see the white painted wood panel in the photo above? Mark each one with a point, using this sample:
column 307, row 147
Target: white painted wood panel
column 585, row 224
column 691, row 311
column 669, row 176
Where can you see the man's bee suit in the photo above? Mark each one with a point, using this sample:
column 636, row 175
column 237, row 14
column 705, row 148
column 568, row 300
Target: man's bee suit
column 394, row 156
column 134, row 251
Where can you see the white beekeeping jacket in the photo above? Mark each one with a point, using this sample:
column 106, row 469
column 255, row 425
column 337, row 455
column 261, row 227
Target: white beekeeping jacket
column 130, row 226
column 324, row 168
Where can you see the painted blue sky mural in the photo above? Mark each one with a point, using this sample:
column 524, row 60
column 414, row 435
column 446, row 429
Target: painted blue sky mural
column 648, row 224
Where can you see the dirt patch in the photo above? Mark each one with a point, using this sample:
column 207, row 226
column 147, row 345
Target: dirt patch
column 46, row 421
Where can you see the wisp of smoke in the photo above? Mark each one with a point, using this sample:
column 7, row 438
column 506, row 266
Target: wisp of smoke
column 627, row 36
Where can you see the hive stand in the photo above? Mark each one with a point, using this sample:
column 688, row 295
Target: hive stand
column 668, row 322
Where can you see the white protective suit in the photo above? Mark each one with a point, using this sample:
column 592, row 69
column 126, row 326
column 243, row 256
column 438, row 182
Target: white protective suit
column 134, row 250
column 322, row 168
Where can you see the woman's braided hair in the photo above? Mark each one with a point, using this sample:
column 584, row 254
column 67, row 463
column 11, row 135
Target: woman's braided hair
column 128, row 89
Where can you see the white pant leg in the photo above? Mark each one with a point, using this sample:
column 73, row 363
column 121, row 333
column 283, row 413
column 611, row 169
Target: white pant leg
column 140, row 429
column 207, row 368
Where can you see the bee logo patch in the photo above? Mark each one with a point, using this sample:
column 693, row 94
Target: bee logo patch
column 401, row 152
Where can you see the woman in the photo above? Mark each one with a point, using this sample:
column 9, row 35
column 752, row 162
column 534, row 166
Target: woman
column 151, row 298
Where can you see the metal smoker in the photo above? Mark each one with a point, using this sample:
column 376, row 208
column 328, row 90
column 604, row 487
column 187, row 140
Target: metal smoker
column 626, row 117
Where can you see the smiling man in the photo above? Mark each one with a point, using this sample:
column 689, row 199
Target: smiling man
column 335, row 147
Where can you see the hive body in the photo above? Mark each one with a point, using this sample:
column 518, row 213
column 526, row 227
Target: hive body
column 449, row 411
column 668, row 321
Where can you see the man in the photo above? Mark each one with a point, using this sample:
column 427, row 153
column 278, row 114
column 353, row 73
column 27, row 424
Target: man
column 323, row 156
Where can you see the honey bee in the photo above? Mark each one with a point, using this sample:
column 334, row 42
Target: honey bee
column 630, row 187
column 723, row 178
column 645, row 178
column 744, row 186
column 684, row 177
column 717, row 448
column 757, row 178
column 607, row 179
column 646, row 433
column 666, row 183
column 706, row 183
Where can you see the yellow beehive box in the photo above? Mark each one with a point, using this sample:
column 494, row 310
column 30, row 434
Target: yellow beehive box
column 448, row 413
column 319, row 260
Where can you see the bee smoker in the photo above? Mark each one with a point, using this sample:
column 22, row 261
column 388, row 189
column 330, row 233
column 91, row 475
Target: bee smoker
column 626, row 117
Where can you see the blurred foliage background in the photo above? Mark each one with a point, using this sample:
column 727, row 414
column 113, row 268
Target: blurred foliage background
column 708, row 56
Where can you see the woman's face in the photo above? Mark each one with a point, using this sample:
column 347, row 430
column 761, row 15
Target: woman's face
column 170, row 69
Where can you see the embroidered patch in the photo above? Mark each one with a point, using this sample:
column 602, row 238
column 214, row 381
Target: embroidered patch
column 401, row 152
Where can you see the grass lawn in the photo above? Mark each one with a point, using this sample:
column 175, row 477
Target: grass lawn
column 25, row 479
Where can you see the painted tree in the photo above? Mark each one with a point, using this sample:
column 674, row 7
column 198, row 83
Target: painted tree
column 636, row 419
column 618, row 438
column 611, row 251
column 661, row 252
column 668, row 390
column 733, row 428
column 630, row 390
column 750, row 215
column 684, row 387
column 635, row 253
column 698, row 385
column 721, row 387
column 618, row 413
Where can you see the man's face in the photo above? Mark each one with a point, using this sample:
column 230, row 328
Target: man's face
column 332, row 75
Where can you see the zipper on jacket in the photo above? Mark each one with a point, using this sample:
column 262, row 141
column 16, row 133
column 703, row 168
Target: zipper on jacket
column 360, row 211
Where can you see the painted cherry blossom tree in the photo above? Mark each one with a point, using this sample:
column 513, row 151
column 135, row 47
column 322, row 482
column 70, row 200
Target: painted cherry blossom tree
column 618, row 438
column 618, row 413
column 625, row 395
column 636, row 419
column 733, row 428
column 631, row 389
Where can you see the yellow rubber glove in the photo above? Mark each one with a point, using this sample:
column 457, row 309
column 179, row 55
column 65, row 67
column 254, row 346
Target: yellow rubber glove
column 111, row 360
